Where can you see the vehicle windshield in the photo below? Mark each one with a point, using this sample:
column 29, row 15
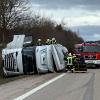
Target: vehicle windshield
column 79, row 49
column 91, row 49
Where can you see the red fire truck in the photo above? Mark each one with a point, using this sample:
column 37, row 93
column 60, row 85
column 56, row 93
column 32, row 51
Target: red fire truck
column 90, row 51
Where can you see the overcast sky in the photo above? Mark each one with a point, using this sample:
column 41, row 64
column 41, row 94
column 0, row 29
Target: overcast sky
column 80, row 15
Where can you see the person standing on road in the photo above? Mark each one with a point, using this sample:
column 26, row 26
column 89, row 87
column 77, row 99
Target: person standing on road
column 69, row 61
column 74, row 59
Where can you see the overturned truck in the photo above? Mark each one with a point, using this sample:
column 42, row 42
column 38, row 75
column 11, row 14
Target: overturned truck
column 20, row 57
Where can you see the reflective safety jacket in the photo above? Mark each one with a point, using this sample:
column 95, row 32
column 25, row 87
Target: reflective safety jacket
column 69, row 60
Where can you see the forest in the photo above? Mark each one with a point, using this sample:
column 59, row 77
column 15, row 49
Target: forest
column 17, row 18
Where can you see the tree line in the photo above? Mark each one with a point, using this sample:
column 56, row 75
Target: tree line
column 16, row 18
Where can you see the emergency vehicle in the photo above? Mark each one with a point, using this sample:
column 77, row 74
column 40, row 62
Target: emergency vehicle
column 90, row 51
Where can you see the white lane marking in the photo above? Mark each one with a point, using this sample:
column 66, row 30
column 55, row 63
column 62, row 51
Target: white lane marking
column 39, row 87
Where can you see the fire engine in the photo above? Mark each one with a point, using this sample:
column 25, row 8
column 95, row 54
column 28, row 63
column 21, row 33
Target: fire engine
column 90, row 51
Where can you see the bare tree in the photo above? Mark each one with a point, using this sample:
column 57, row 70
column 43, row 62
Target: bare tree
column 11, row 13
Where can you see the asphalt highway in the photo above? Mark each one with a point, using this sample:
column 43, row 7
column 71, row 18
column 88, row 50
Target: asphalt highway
column 66, row 86
column 69, row 87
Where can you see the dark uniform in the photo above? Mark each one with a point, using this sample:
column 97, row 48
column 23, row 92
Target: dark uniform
column 81, row 66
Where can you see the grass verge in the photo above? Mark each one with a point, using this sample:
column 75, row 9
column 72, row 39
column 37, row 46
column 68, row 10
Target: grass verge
column 4, row 80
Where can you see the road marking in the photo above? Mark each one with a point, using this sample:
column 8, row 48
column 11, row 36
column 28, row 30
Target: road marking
column 39, row 87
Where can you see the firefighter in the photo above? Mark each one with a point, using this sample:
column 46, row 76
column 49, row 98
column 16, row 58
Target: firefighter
column 81, row 66
column 82, row 61
column 65, row 59
column 74, row 56
column 48, row 42
column 70, row 62
column 54, row 41
column 74, row 59
column 39, row 42
column 75, row 62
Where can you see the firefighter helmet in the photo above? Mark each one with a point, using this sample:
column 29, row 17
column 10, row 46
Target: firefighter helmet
column 70, row 54
column 39, row 40
column 48, row 41
column 53, row 41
